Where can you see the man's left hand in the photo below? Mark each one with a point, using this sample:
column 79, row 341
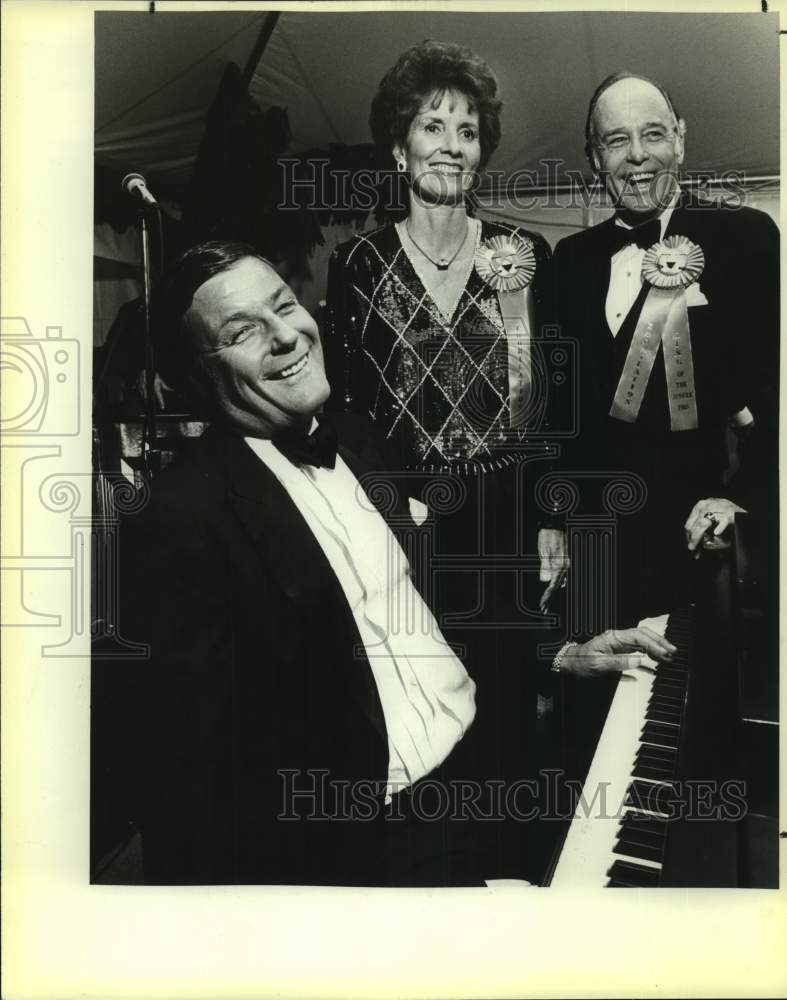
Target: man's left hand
column 708, row 520
column 554, row 562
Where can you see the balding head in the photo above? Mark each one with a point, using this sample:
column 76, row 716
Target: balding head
column 610, row 81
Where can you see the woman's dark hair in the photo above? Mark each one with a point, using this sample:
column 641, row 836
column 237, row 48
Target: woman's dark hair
column 423, row 69
column 174, row 354
column 605, row 84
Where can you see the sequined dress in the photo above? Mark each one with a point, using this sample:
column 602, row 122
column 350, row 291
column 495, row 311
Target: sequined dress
column 436, row 386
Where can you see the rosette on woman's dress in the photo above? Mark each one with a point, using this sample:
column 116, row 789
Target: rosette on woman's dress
column 506, row 263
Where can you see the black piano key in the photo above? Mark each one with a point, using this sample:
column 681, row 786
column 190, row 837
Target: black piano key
column 655, row 727
column 674, row 672
column 671, row 692
column 653, row 798
column 665, row 699
column 663, row 681
column 660, row 740
column 661, row 736
column 644, row 830
column 640, row 821
column 626, row 873
column 668, row 728
column 655, row 773
column 657, row 715
column 636, row 850
column 678, row 663
column 672, row 688
column 640, row 787
column 657, row 770
column 655, row 755
column 664, row 767
column 666, row 704
column 675, row 693
column 674, row 675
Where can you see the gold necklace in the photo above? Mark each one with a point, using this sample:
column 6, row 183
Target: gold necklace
column 443, row 263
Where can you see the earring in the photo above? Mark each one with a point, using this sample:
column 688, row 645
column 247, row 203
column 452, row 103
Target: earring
column 401, row 166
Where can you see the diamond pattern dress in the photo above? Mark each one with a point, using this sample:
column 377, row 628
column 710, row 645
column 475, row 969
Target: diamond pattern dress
column 436, row 386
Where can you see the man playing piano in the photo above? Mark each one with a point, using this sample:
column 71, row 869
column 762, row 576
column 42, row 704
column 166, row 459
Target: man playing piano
column 287, row 722
column 674, row 303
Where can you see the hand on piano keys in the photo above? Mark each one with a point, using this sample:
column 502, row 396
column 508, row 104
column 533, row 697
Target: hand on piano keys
column 616, row 650
column 619, row 830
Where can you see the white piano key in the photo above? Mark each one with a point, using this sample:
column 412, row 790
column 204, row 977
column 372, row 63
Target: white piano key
column 587, row 852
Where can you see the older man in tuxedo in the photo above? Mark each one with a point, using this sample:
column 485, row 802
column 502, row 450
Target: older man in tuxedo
column 674, row 303
column 299, row 694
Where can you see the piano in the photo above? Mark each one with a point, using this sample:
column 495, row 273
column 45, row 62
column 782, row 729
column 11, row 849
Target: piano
column 682, row 789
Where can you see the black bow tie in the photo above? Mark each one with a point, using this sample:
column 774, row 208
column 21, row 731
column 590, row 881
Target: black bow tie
column 644, row 236
column 317, row 448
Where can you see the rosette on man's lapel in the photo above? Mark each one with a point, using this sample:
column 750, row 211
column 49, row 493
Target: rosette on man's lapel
column 669, row 267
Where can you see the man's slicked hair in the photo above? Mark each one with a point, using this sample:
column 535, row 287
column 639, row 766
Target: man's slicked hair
column 174, row 354
column 605, row 84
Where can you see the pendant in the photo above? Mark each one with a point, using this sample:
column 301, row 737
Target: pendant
column 442, row 264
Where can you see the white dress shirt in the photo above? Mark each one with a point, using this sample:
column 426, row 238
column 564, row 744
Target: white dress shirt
column 625, row 276
column 427, row 697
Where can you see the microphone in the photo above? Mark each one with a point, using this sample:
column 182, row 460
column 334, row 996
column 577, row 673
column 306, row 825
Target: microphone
column 136, row 185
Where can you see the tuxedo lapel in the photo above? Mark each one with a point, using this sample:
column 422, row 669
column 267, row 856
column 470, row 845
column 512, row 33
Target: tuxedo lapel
column 694, row 220
column 596, row 280
column 289, row 549
column 679, row 223
column 274, row 524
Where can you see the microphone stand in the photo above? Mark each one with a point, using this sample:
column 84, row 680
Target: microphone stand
column 151, row 456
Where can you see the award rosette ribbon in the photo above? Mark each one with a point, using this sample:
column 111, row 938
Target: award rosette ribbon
column 507, row 264
column 669, row 267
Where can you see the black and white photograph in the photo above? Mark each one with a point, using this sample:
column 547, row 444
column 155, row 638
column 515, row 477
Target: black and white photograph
column 426, row 407
column 455, row 452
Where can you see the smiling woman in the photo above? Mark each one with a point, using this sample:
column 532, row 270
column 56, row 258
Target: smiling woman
column 416, row 335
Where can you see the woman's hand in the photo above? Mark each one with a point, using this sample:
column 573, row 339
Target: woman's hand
column 616, row 650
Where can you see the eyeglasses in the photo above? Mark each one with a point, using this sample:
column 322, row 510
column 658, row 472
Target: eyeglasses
column 651, row 138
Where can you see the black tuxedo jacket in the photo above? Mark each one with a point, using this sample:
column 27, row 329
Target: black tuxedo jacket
column 257, row 683
column 735, row 349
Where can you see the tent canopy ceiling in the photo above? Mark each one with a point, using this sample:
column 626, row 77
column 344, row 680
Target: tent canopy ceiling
column 156, row 75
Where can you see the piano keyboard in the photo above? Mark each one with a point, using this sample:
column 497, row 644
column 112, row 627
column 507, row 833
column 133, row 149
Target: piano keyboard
column 617, row 835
